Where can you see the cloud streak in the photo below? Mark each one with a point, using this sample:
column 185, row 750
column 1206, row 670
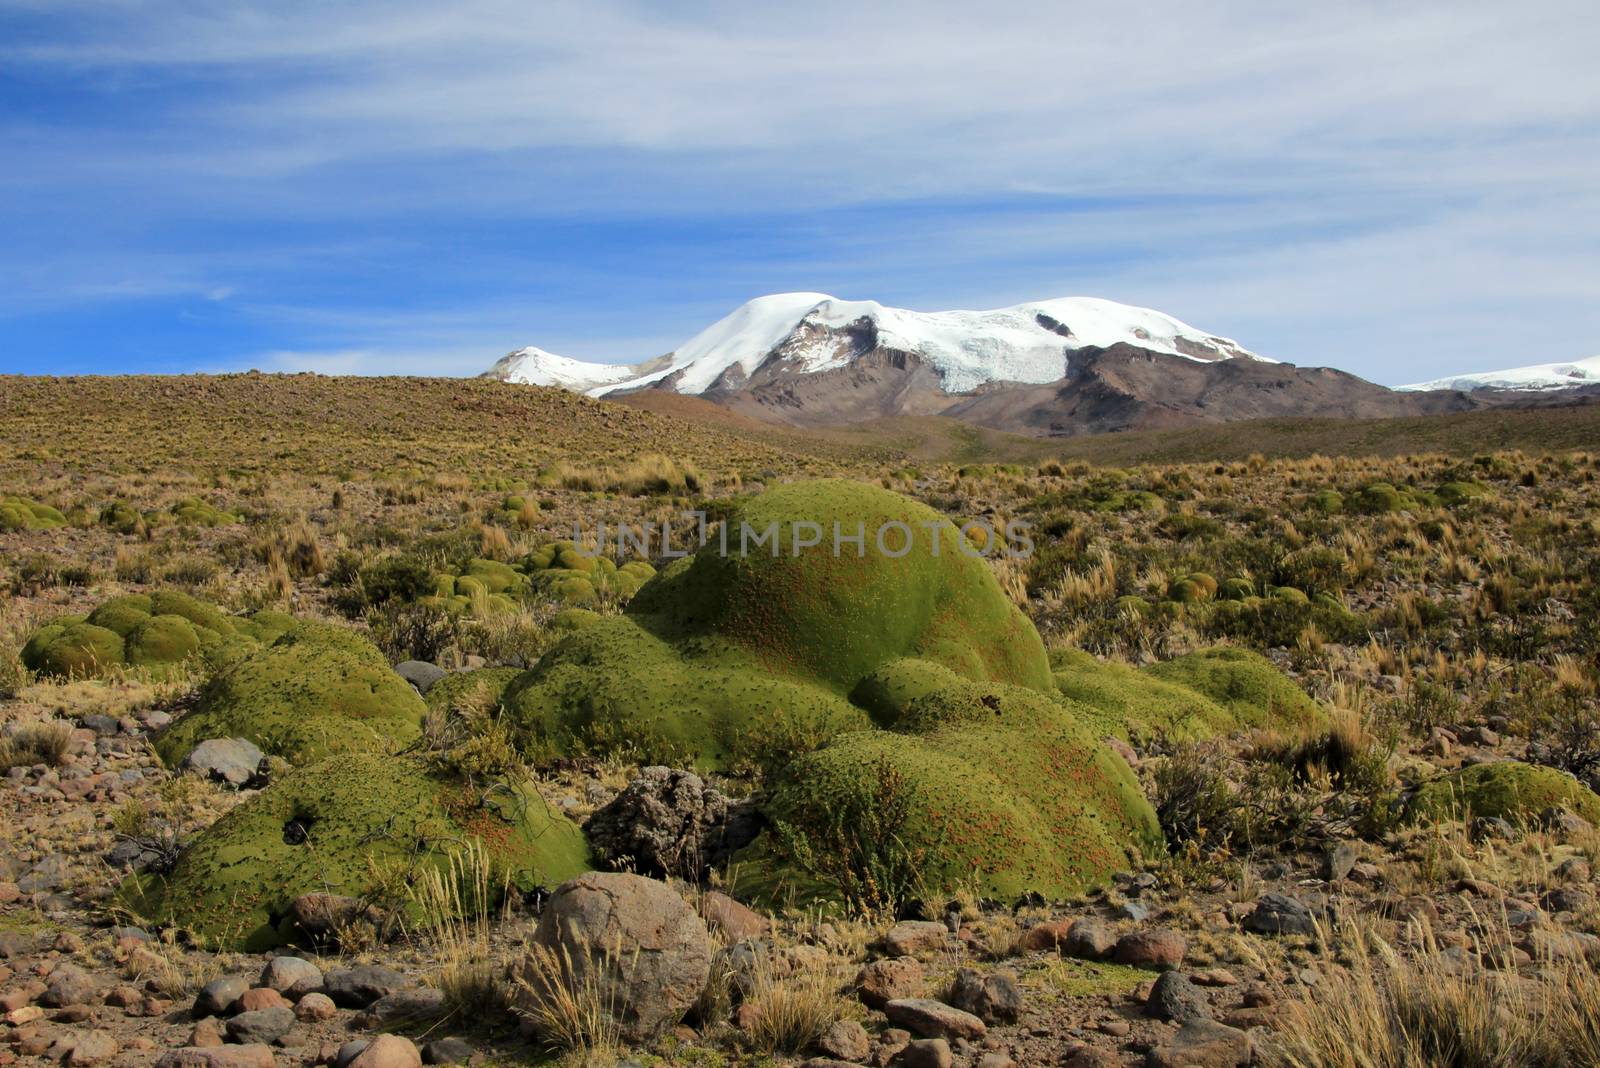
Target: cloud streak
column 1399, row 191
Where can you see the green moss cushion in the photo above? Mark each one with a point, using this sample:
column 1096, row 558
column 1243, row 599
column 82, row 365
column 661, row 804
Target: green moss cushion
column 1509, row 790
column 19, row 513
column 330, row 826
column 483, row 687
column 1253, row 692
column 316, row 690
column 724, row 655
column 74, row 650
column 156, row 633
column 1006, row 791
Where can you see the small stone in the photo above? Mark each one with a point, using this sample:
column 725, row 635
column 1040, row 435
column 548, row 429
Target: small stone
column 253, row 1055
column 911, row 937
column 847, row 1040
column 1574, row 869
column 926, row 1053
column 291, row 976
column 69, row 985
column 420, row 674
column 416, row 1003
column 93, row 1048
column 1214, row 977
column 1090, row 938
column 1564, row 823
column 360, row 986
column 124, row 997
column 1202, row 1044
column 1338, row 861
column 1116, row 1028
column 350, row 1051
column 1137, row 911
column 233, row 761
column 737, row 922
column 1154, row 947
column 260, row 997
column 447, row 1051
column 314, row 1007
column 24, row 1014
column 1043, row 937
column 883, row 981
column 1279, row 914
column 1175, row 998
column 993, row 998
column 207, row 1033
column 1492, row 828
column 996, row 1059
column 216, row 998
column 934, row 1019
column 262, row 1025
column 388, row 1051
column 1083, row 1055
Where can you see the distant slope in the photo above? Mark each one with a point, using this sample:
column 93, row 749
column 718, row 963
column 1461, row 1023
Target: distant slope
column 309, row 423
column 1554, row 428
column 1539, row 377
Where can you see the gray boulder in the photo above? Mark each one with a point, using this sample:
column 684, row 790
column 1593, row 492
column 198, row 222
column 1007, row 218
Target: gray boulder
column 639, row 940
column 670, row 822
column 420, row 673
column 234, row 761
column 1280, row 914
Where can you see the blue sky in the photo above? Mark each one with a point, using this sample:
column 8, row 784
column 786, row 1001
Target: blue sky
column 361, row 187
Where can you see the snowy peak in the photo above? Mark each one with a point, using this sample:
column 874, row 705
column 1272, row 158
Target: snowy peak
column 534, row 366
column 1536, row 378
column 792, row 334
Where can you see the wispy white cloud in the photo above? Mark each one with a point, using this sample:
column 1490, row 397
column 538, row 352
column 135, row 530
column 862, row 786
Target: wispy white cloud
column 1401, row 190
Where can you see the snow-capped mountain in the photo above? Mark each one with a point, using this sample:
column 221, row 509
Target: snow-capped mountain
column 1536, row 378
column 534, row 366
column 795, row 334
column 1052, row 367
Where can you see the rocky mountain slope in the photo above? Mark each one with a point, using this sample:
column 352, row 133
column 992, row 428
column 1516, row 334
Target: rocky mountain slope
column 1053, row 368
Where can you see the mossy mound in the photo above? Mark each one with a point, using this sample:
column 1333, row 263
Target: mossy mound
column 1255, row 694
column 19, row 513
column 1328, row 501
column 197, row 512
column 1508, row 790
column 563, row 571
column 1454, row 494
column 481, row 688
column 121, row 517
column 1179, row 699
column 985, row 785
column 156, row 632
column 73, row 650
column 340, row 826
column 316, row 690
column 724, row 655
column 1384, row 497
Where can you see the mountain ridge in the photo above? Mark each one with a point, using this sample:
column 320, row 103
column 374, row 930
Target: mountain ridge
column 1051, row 368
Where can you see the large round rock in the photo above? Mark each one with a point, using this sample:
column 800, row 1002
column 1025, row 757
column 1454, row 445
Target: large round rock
column 637, row 938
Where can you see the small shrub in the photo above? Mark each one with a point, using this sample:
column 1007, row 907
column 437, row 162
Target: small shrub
column 36, row 743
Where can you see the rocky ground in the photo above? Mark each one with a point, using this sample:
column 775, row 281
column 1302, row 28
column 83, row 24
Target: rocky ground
column 1185, row 963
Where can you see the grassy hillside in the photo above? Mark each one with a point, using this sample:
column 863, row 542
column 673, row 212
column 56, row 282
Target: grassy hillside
column 310, row 424
column 1545, row 429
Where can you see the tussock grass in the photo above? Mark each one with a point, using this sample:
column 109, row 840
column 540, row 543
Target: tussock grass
column 36, row 743
column 1430, row 1010
column 573, row 1006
